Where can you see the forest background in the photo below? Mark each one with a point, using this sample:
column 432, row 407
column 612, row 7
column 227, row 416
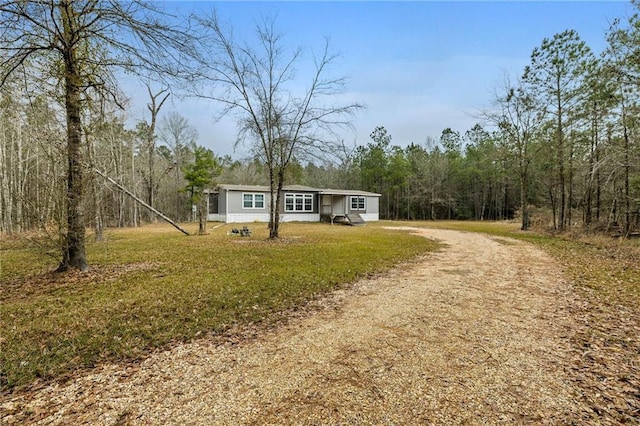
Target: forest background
column 558, row 148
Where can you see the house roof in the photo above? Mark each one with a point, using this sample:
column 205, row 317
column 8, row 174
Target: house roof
column 256, row 188
column 297, row 188
column 347, row 192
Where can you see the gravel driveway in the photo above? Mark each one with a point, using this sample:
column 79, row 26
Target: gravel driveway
column 475, row 333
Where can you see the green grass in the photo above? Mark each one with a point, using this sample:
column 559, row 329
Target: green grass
column 152, row 286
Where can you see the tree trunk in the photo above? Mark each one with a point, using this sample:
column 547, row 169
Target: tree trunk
column 5, row 191
column 588, row 208
column 95, row 192
column 560, row 159
column 505, row 206
column 408, row 195
column 554, row 206
column 570, row 189
column 524, row 203
column 73, row 255
column 20, row 182
column 202, row 215
column 5, row 177
column 151, row 147
column 627, row 196
column 599, row 182
column 274, row 232
column 272, row 206
column 154, row 109
column 432, row 213
column 134, row 207
column 97, row 205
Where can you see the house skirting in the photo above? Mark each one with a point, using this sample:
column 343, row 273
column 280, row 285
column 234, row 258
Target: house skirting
column 262, row 217
column 370, row 217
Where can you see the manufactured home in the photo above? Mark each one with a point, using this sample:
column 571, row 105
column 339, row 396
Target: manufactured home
column 250, row 203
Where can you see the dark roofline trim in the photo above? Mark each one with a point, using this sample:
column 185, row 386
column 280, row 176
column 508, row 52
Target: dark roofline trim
column 293, row 188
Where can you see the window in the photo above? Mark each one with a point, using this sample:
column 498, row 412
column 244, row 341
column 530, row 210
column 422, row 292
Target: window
column 298, row 202
column 358, row 203
column 253, row 201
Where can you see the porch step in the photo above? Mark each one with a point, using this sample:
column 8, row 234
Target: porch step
column 355, row 219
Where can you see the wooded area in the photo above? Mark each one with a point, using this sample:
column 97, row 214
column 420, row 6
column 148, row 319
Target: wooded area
column 558, row 148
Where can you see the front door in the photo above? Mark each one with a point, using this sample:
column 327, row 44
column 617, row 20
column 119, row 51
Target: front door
column 325, row 205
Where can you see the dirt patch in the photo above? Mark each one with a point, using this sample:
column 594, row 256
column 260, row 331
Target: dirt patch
column 478, row 332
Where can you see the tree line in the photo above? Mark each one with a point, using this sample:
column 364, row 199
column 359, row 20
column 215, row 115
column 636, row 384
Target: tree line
column 66, row 57
column 558, row 146
column 561, row 138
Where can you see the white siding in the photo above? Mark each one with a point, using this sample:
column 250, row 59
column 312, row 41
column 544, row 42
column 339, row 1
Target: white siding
column 247, row 217
column 262, row 217
column 217, row 217
column 370, row 217
column 300, row 217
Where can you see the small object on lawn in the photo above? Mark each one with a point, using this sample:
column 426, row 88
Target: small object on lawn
column 235, row 231
column 245, row 232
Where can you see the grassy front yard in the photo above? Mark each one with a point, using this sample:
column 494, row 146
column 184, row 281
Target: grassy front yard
column 150, row 287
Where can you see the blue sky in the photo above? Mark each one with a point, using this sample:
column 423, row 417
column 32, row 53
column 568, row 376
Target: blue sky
column 419, row 67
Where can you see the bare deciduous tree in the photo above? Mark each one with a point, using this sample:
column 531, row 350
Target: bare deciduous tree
column 76, row 45
column 156, row 102
column 179, row 138
column 259, row 84
column 519, row 119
